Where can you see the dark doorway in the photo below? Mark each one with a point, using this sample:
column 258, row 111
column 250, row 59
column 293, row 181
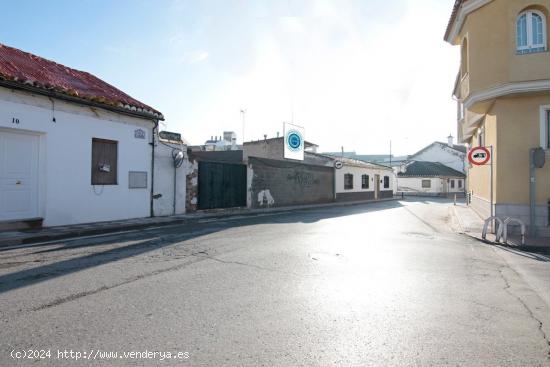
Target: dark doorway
column 221, row 185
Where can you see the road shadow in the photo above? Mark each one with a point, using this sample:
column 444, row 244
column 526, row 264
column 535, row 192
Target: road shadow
column 148, row 240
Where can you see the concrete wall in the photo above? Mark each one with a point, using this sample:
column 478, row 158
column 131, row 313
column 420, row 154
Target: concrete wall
column 66, row 195
column 164, row 180
column 276, row 183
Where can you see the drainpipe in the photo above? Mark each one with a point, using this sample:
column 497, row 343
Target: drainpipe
column 151, row 211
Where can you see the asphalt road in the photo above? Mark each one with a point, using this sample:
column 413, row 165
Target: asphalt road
column 386, row 284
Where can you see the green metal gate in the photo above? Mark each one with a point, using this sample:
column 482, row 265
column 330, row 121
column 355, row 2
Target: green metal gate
column 221, row 185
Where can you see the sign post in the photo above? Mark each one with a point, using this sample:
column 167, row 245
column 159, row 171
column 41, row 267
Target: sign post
column 480, row 156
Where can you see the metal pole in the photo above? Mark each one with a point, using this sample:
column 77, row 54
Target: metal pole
column 492, row 200
column 243, row 112
column 532, row 191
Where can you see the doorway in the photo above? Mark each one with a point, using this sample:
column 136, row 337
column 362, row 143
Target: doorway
column 18, row 176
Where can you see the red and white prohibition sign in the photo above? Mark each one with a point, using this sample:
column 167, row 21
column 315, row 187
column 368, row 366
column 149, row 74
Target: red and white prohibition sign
column 479, row 156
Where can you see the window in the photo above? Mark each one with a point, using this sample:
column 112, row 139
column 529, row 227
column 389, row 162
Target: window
column 426, row 184
column 452, row 184
column 386, row 182
column 348, row 181
column 545, row 126
column 459, row 184
column 365, row 181
column 530, row 32
column 104, row 162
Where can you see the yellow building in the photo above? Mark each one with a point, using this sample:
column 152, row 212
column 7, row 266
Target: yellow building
column 503, row 95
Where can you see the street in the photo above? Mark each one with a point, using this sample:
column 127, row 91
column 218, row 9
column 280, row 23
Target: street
column 381, row 284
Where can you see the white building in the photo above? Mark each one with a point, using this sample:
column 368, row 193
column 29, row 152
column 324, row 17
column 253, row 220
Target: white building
column 227, row 142
column 449, row 154
column 73, row 149
column 429, row 178
column 356, row 180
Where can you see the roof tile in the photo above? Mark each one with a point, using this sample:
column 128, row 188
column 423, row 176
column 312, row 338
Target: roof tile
column 429, row 169
column 28, row 69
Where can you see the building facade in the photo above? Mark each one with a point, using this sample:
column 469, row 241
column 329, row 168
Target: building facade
column 73, row 149
column 503, row 94
column 449, row 154
column 357, row 180
column 429, row 179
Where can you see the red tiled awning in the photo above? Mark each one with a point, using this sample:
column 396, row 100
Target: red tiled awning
column 23, row 68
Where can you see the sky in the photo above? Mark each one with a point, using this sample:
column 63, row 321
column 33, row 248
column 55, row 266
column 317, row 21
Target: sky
column 354, row 73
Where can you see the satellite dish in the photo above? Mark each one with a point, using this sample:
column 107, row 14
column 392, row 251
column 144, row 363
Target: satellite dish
column 178, row 157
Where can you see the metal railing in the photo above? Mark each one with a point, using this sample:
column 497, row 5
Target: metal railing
column 502, row 228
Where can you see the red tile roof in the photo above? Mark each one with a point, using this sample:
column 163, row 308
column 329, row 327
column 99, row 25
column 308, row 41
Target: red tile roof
column 48, row 77
column 454, row 13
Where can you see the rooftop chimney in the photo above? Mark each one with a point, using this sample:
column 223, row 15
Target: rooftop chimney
column 450, row 140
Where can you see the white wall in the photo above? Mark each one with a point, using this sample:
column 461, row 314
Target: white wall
column 357, row 172
column 414, row 184
column 66, row 195
column 444, row 155
column 164, row 180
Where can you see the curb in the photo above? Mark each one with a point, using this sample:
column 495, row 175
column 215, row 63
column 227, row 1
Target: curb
column 538, row 249
column 166, row 221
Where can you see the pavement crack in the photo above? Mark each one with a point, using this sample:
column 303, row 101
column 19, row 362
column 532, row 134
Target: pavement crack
column 206, row 256
column 530, row 313
column 72, row 297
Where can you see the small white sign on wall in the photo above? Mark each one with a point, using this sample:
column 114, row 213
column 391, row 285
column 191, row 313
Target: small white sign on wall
column 139, row 134
column 294, row 142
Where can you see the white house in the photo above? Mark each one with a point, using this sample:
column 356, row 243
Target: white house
column 449, row 154
column 73, row 149
column 356, row 180
column 430, row 178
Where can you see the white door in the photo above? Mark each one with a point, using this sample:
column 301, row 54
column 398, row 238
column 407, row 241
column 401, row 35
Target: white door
column 18, row 176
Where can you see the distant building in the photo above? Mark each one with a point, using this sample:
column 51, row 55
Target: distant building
column 383, row 159
column 437, row 169
column 429, row 178
column 219, row 143
column 357, row 180
column 449, row 154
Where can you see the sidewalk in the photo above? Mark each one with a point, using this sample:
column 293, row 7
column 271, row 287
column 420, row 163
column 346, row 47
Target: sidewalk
column 14, row 238
column 471, row 224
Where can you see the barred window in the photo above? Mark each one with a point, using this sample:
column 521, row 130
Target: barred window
column 348, row 181
column 365, row 181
